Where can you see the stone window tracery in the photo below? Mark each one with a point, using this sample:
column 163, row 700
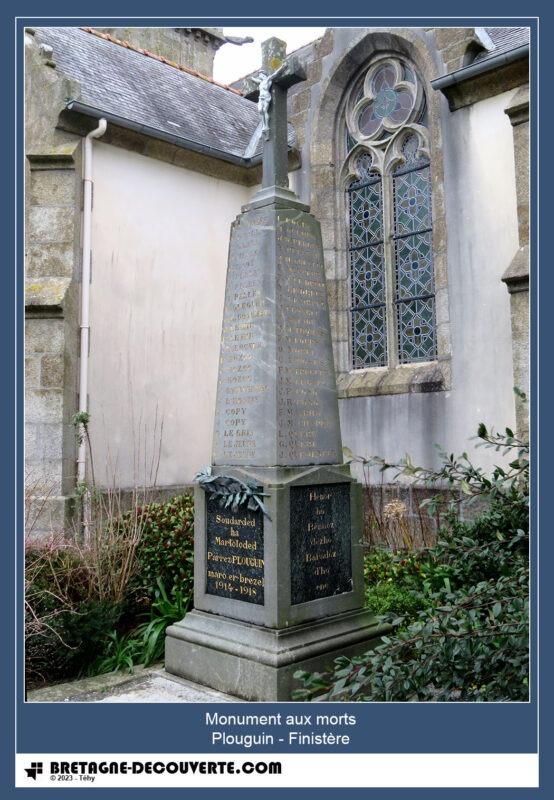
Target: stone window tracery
column 386, row 175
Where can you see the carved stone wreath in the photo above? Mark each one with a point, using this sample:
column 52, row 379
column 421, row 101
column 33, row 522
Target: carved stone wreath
column 230, row 492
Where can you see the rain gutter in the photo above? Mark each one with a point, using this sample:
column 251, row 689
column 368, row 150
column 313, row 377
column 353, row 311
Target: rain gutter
column 155, row 133
column 480, row 67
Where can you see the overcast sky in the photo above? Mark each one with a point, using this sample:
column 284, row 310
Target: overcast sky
column 232, row 62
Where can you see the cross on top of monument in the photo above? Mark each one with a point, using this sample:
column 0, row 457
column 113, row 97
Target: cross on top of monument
column 276, row 76
column 274, row 54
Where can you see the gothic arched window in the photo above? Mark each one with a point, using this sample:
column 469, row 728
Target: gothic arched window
column 386, row 175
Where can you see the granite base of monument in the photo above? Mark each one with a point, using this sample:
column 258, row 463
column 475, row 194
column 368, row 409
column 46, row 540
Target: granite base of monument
column 279, row 593
column 257, row 663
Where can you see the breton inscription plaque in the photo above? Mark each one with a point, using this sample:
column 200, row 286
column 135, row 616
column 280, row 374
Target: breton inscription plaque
column 320, row 541
column 234, row 553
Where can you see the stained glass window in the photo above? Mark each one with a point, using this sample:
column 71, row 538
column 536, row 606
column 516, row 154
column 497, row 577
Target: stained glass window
column 389, row 100
column 390, row 219
column 414, row 278
column 367, row 267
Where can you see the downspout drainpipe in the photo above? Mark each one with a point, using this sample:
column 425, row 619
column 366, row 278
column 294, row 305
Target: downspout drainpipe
column 85, row 287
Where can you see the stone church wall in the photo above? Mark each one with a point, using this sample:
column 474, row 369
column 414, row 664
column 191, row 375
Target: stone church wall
column 52, row 268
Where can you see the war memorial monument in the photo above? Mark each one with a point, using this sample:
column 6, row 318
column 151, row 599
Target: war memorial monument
column 278, row 554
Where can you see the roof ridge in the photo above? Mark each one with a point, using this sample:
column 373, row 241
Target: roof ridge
column 123, row 43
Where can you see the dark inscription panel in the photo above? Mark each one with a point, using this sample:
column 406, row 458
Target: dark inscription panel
column 234, row 553
column 320, row 541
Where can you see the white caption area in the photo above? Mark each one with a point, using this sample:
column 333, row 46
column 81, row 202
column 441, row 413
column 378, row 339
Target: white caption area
column 423, row 770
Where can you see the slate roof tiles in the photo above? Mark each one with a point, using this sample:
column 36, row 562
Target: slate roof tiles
column 144, row 90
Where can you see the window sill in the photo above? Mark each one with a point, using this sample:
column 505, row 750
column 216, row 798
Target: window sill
column 432, row 376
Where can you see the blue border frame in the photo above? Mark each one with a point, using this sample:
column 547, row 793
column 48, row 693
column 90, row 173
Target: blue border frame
column 167, row 728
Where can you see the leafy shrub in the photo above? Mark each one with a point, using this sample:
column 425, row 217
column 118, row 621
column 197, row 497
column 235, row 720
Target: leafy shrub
column 87, row 630
column 166, row 549
column 165, row 611
column 119, row 653
column 386, row 598
column 145, row 643
column 469, row 640
column 392, row 585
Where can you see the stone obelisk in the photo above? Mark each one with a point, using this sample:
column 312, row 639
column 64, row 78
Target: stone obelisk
column 283, row 590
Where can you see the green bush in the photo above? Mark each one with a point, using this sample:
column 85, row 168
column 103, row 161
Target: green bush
column 119, row 653
column 393, row 584
column 386, row 598
column 166, row 549
column 165, row 611
column 145, row 643
column 469, row 640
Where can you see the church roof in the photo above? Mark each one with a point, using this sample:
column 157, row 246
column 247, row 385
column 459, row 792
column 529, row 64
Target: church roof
column 504, row 40
column 165, row 100
column 127, row 83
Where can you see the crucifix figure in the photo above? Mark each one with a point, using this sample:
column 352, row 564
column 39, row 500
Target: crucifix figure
column 264, row 99
column 271, row 84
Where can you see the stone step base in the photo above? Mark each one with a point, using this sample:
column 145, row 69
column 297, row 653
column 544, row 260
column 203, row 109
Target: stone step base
column 258, row 663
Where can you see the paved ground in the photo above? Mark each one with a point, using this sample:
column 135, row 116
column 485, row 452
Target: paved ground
column 145, row 685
